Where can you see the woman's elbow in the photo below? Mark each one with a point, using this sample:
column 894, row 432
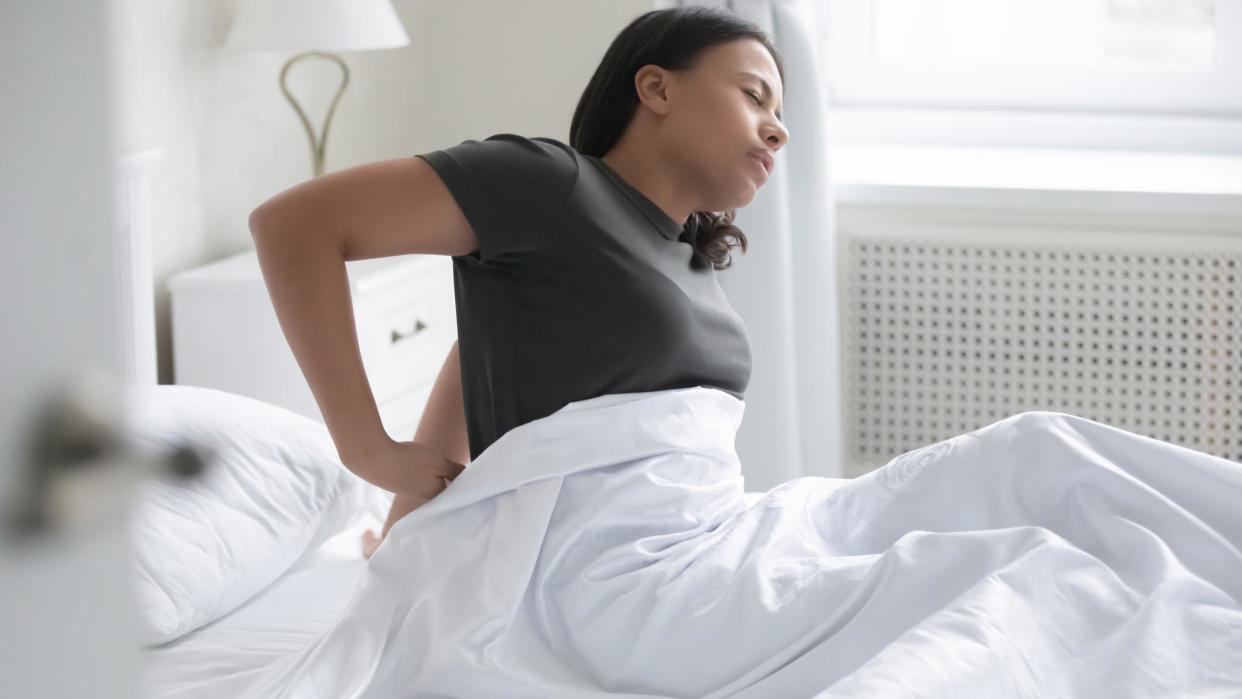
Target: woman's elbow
column 261, row 220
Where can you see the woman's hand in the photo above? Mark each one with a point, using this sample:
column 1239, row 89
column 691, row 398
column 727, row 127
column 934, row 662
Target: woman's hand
column 420, row 473
column 405, row 468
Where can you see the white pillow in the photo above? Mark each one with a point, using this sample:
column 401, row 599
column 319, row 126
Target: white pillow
column 273, row 490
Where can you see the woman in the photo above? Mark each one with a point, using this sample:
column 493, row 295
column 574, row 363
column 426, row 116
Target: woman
column 610, row 548
column 580, row 270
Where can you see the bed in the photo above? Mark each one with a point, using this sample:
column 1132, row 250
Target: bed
column 611, row 550
column 280, row 619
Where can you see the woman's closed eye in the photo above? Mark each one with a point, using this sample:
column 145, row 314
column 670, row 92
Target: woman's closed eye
column 758, row 99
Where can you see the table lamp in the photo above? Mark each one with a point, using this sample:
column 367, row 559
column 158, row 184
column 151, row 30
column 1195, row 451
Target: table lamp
column 314, row 29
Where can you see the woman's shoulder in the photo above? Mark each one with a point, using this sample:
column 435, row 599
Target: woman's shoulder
column 533, row 145
column 512, row 162
column 508, row 186
column 540, row 156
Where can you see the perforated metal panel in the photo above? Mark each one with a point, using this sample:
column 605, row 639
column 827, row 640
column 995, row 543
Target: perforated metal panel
column 943, row 337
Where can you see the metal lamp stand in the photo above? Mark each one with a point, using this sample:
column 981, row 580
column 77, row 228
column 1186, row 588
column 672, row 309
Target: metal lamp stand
column 317, row 145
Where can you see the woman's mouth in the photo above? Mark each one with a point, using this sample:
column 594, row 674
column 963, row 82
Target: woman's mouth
column 760, row 165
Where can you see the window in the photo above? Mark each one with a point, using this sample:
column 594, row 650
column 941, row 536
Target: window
column 1152, row 57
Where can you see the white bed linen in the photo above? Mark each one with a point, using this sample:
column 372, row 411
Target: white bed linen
column 273, row 491
column 608, row 550
column 282, row 619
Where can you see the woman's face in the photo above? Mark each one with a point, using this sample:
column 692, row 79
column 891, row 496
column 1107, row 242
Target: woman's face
column 720, row 114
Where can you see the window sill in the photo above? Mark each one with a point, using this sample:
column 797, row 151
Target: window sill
column 1195, row 184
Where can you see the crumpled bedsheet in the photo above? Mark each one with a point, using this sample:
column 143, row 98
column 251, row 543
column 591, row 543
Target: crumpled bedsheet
column 608, row 550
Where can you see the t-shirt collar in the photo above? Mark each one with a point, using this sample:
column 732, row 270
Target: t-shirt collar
column 663, row 223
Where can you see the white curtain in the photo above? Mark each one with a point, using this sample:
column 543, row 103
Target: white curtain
column 785, row 285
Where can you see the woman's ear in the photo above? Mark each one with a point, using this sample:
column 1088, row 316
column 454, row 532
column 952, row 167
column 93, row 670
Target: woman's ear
column 651, row 82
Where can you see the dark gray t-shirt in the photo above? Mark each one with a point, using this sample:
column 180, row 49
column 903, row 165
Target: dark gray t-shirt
column 580, row 287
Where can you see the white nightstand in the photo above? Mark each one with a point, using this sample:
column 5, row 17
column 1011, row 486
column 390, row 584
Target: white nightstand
column 226, row 335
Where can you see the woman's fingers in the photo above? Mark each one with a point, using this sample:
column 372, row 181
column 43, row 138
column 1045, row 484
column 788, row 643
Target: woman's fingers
column 431, row 473
column 437, row 463
column 449, row 469
column 432, row 486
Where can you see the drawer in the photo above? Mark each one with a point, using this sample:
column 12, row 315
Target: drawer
column 402, row 413
column 405, row 329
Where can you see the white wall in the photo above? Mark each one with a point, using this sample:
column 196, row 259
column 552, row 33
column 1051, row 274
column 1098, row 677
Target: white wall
column 230, row 140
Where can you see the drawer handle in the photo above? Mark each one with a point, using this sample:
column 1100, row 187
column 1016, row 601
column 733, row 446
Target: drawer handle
column 398, row 335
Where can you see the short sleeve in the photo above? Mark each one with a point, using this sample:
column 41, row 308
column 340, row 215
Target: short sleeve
column 508, row 187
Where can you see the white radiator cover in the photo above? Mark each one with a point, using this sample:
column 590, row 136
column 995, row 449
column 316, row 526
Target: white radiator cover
column 956, row 320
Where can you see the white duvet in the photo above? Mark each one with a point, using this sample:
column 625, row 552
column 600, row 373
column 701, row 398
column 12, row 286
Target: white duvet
column 608, row 550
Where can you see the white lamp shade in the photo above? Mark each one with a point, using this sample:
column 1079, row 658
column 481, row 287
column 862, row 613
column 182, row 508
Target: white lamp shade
column 316, row 25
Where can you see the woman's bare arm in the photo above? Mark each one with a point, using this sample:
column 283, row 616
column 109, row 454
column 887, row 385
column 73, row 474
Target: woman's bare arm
column 303, row 236
column 442, row 427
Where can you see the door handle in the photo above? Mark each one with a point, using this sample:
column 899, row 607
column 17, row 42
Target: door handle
column 77, row 470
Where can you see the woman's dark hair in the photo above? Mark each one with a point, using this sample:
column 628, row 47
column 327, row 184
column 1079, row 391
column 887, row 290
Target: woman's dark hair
column 672, row 39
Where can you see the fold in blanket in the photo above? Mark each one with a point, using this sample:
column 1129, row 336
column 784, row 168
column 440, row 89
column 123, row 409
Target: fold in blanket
column 608, row 550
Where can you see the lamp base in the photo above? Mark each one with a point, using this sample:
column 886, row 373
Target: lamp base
column 317, row 145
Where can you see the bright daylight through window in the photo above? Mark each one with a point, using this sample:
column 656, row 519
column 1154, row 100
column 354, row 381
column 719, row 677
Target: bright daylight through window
column 1111, row 34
